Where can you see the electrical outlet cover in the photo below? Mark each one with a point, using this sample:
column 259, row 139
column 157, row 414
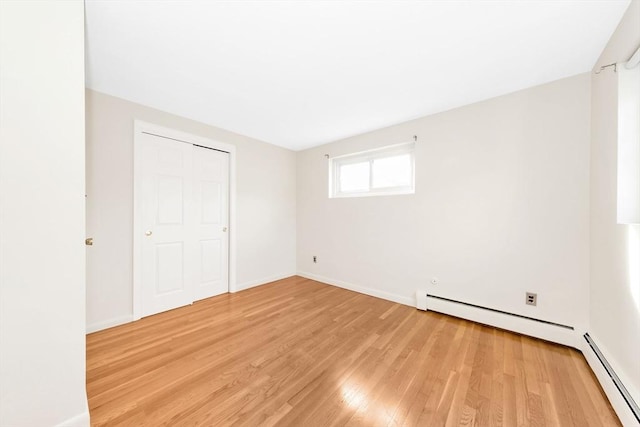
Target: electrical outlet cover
column 531, row 299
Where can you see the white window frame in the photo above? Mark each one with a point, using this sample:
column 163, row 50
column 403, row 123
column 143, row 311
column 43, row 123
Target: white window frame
column 628, row 171
column 369, row 156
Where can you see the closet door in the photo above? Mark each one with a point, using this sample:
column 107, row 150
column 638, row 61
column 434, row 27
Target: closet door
column 211, row 200
column 181, row 222
column 165, row 210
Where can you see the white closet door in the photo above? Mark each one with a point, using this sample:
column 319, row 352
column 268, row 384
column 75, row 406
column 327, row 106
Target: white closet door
column 211, row 201
column 166, row 212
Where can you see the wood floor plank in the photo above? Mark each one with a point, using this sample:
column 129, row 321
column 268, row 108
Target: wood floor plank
column 447, row 364
column 301, row 353
column 497, row 374
column 600, row 406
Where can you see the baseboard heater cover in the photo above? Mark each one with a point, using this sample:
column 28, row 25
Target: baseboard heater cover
column 502, row 312
column 633, row 406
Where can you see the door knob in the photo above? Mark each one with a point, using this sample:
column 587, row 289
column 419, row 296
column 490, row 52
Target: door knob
column 224, row 229
column 148, row 233
column 88, row 241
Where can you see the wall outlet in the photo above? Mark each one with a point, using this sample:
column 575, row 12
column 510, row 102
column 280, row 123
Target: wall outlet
column 315, row 259
column 531, row 299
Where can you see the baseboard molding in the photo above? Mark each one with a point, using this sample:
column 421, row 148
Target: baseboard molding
column 253, row 283
column 121, row 320
column 80, row 420
column 400, row 299
column 116, row 321
column 549, row 332
column 620, row 406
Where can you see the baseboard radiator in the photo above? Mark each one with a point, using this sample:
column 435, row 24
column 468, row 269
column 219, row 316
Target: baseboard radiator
column 626, row 396
column 624, row 404
column 539, row 328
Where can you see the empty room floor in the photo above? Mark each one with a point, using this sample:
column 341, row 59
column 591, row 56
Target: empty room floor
column 301, row 353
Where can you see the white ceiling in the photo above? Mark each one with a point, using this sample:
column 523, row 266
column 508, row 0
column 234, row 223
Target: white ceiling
column 302, row 73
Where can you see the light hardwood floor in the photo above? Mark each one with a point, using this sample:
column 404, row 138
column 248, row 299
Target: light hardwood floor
column 301, row 353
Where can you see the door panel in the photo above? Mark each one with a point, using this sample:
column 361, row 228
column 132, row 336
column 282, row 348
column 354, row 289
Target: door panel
column 170, row 199
column 210, row 194
column 209, row 260
column 169, row 264
column 166, row 252
column 211, row 176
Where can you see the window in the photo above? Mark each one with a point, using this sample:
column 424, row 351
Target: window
column 628, row 144
column 384, row 171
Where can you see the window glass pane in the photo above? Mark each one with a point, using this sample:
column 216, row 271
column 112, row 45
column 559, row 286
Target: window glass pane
column 381, row 171
column 354, row 177
column 392, row 171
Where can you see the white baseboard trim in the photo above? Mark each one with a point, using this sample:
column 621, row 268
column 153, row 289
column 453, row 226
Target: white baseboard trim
column 520, row 325
column 253, row 283
column 80, row 420
column 116, row 321
column 98, row 326
column 400, row 299
column 545, row 331
column 620, row 406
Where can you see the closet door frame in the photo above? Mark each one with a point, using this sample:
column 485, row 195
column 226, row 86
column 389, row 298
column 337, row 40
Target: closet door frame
column 139, row 129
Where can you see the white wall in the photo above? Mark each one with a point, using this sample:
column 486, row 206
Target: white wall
column 501, row 208
column 266, row 205
column 614, row 312
column 42, row 253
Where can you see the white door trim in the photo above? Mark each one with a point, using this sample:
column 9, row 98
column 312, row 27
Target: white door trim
column 140, row 127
